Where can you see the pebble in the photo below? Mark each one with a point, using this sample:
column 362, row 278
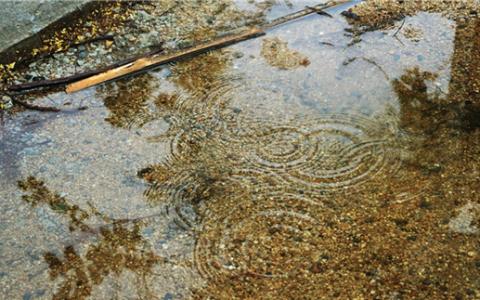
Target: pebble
column 471, row 292
column 148, row 231
column 356, row 94
column 119, row 41
column 145, row 16
column 71, row 165
column 167, row 296
column 238, row 54
column 82, row 54
column 7, row 102
column 349, row 14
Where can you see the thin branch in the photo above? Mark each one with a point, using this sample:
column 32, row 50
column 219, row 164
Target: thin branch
column 320, row 12
column 35, row 107
column 76, row 77
column 376, row 65
column 167, row 57
column 395, row 35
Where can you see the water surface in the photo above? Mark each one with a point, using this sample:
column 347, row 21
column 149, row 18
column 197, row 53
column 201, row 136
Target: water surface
column 319, row 161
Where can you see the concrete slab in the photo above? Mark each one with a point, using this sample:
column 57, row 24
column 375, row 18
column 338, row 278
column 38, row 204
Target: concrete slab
column 21, row 22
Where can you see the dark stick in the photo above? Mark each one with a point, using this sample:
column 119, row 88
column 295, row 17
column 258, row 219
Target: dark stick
column 35, row 107
column 69, row 79
column 320, row 12
column 395, row 35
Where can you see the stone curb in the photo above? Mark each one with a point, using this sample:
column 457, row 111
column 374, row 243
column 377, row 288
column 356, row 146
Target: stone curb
column 23, row 23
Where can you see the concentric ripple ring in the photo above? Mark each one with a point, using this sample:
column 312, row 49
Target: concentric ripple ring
column 261, row 234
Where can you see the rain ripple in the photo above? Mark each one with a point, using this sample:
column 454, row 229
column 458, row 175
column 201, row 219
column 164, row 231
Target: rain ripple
column 264, row 233
column 329, row 153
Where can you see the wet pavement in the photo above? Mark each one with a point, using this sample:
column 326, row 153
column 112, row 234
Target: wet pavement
column 332, row 158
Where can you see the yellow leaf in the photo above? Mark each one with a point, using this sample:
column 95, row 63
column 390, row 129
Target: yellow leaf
column 11, row 66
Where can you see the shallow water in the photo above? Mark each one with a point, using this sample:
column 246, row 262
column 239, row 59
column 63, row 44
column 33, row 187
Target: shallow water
column 297, row 165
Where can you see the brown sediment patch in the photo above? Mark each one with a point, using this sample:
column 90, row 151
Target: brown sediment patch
column 373, row 15
column 128, row 99
column 277, row 54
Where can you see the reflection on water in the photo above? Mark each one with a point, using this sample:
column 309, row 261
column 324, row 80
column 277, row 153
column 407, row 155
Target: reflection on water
column 119, row 247
column 330, row 180
column 126, row 98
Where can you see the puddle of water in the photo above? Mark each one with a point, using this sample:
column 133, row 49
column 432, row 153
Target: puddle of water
column 290, row 166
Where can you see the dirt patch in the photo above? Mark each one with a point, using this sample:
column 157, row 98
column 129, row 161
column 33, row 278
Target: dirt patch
column 277, row 54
